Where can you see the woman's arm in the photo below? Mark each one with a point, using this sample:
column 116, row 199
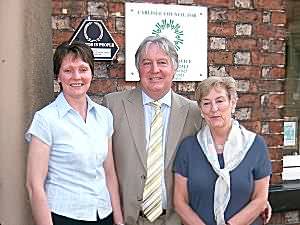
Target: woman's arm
column 113, row 185
column 257, row 204
column 185, row 212
column 37, row 169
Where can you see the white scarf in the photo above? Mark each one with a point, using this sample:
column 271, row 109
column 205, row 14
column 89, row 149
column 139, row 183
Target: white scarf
column 236, row 147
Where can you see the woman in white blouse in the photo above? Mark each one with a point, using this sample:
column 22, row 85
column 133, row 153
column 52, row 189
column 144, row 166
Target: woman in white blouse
column 71, row 177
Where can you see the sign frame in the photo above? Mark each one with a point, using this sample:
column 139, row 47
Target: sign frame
column 102, row 49
column 290, row 131
column 185, row 26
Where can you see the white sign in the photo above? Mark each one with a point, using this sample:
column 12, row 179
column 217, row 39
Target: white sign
column 289, row 133
column 185, row 26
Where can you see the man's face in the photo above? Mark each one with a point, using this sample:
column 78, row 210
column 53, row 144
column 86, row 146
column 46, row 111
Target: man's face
column 156, row 72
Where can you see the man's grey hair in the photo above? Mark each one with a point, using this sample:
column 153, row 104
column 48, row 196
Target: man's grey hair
column 163, row 43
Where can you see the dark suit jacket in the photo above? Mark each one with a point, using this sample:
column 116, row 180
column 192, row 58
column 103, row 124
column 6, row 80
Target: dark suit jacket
column 129, row 146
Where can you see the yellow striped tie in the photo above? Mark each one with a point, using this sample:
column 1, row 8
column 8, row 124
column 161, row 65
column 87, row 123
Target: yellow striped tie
column 152, row 195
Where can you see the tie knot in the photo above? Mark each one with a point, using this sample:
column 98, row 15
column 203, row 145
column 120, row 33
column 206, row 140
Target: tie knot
column 156, row 105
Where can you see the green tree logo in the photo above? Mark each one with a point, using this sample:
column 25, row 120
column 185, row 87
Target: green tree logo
column 169, row 27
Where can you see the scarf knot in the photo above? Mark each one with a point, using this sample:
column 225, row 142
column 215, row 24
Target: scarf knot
column 235, row 149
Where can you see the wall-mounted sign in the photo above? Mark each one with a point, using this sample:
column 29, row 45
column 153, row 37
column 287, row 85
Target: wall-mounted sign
column 95, row 34
column 185, row 26
column 290, row 134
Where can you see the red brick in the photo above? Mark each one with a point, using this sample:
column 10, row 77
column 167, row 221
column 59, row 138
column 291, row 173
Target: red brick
column 153, row 1
column 268, row 31
column 273, row 140
column 220, row 57
column 272, row 46
column 270, row 85
column 275, row 153
column 221, row 29
column 75, row 21
column 276, row 73
column 119, row 39
column 56, row 7
column 254, row 126
column 246, row 100
column 269, row 4
column 270, row 113
column 259, row 58
column 277, row 166
column 244, row 16
column 211, row 3
column 59, row 37
column 275, row 126
column 117, row 71
column 277, row 46
column 116, row 7
column 241, row 44
column 275, row 100
column 279, row 17
column 110, row 24
column 243, row 72
column 263, row 113
column 75, row 7
column 103, row 86
column 253, row 89
column 101, row 70
column 276, row 179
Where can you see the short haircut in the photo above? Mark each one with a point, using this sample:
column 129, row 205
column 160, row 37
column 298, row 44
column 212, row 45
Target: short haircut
column 79, row 49
column 228, row 83
column 164, row 44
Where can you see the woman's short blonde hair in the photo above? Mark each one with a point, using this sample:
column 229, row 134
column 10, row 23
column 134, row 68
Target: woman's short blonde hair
column 228, row 83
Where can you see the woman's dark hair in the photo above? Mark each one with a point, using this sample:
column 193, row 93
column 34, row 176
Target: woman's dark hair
column 79, row 49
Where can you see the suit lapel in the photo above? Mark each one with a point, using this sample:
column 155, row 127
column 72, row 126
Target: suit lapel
column 136, row 119
column 176, row 123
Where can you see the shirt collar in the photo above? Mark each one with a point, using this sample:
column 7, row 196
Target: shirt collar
column 166, row 100
column 63, row 106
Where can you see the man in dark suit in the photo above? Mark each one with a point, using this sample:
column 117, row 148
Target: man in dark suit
column 156, row 60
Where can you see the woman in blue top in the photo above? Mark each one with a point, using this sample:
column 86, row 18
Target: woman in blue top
column 71, row 176
column 221, row 174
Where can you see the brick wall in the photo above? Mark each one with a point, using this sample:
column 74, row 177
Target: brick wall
column 246, row 40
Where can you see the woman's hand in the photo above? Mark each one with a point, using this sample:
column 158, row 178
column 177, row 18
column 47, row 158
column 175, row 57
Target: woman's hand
column 267, row 213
